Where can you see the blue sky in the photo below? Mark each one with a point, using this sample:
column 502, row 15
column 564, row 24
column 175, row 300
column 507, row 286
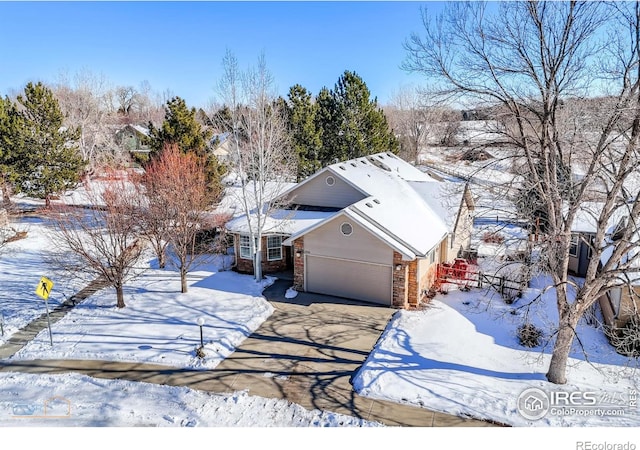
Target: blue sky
column 179, row 45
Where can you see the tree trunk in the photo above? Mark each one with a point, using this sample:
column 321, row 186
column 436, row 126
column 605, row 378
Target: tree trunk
column 162, row 257
column 120, row 296
column 183, row 281
column 557, row 373
column 257, row 265
column 6, row 195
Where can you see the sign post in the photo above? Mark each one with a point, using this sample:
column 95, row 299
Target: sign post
column 43, row 290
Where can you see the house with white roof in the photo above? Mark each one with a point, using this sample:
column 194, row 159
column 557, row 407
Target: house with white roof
column 372, row 229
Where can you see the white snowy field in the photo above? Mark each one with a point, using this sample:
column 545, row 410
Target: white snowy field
column 22, row 263
column 78, row 400
column 462, row 356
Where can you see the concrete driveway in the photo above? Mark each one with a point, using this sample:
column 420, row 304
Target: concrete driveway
column 309, row 349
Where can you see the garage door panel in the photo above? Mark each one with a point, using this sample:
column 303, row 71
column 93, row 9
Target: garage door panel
column 350, row 279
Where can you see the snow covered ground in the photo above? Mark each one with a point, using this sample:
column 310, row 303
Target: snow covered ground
column 22, row 263
column 159, row 324
column 462, row 356
column 78, row 400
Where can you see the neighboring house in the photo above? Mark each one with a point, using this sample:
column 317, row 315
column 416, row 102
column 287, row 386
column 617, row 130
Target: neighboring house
column 221, row 146
column 622, row 303
column 372, row 229
column 133, row 138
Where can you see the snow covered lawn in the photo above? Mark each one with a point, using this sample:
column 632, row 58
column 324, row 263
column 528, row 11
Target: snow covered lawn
column 159, row 324
column 22, row 263
column 78, row 400
column 462, row 356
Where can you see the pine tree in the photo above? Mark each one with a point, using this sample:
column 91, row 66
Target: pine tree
column 352, row 124
column 181, row 127
column 306, row 136
column 49, row 161
column 10, row 147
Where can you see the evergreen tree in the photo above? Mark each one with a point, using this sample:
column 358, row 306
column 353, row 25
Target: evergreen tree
column 49, row 161
column 305, row 135
column 181, row 127
column 352, row 124
column 10, row 147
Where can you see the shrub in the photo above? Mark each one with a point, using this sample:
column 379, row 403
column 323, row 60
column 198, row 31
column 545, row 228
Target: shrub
column 529, row 335
column 626, row 340
column 492, row 238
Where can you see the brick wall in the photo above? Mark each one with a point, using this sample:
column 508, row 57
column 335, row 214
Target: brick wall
column 298, row 264
column 246, row 265
column 400, row 281
column 413, row 288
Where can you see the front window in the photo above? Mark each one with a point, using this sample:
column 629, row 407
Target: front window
column 573, row 246
column 245, row 247
column 274, row 248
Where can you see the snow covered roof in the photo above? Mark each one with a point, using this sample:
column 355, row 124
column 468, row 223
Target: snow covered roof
column 283, row 221
column 141, row 129
column 401, row 207
column 586, row 220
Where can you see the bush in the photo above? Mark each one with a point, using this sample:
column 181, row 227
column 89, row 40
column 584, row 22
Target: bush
column 626, row 340
column 492, row 238
column 529, row 335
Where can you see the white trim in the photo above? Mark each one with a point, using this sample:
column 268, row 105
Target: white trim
column 278, row 247
column 240, row 247
column 575, row 245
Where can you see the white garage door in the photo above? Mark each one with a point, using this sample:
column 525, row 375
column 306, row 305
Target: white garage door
column 350, row 279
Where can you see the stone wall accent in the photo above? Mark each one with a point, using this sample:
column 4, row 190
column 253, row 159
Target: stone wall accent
column 246, row 265
column 298, row 264
column 400, row 282
column 413, row 288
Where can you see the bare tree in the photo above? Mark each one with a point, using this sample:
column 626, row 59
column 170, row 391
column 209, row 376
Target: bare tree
column 176, row 210
column 102, row 240
column 417, row 117
column 262, row 155
column 528, row 59
column 84, row 101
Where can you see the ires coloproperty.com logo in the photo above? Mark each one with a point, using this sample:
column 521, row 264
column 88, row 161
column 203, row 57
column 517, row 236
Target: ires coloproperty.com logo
column 534, row 403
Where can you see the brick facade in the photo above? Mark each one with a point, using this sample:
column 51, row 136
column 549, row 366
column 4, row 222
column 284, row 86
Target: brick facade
column 246, row 265
column 298, row 264
column 400, row 282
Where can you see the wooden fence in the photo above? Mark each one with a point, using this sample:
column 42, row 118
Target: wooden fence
column 468, row 276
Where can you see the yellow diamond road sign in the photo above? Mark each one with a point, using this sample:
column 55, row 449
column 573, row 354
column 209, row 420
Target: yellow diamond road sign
column 44, row 288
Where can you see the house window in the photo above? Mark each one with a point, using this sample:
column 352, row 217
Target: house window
column 274, row 248
column 432, row 256
column 573, row 246
column 245, row 247
column 346, row 229
column 330, row 180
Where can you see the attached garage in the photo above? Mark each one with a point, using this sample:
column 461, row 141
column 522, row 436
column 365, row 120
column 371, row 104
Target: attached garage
column 350, row 279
